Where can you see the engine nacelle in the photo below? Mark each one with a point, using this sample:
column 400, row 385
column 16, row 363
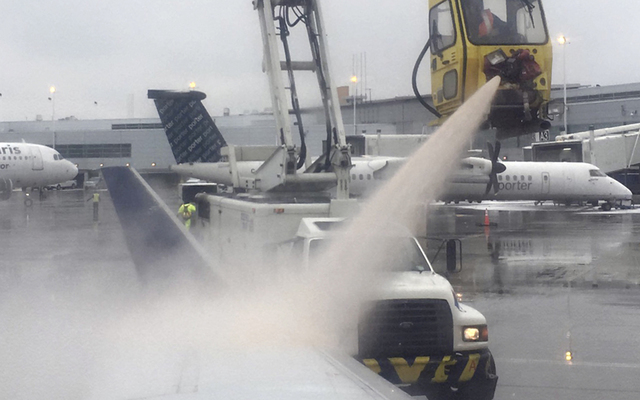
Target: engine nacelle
column 6, row 187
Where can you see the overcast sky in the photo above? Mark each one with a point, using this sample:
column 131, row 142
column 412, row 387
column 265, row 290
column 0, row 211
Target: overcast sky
column 109, row 52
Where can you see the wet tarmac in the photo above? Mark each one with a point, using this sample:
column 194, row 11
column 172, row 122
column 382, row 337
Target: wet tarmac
column 552, row 279
column 549, row 280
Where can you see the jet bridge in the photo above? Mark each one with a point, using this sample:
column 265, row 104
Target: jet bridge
column 616, row 151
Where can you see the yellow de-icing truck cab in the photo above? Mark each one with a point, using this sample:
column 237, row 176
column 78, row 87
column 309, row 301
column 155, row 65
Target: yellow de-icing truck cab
column 473, row 41
column 414, row 331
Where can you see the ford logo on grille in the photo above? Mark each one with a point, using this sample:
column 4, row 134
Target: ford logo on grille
column 406, row 325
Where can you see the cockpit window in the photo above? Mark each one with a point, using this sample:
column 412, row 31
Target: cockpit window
column 504, row 22
column 596, row 172
column 55, row 157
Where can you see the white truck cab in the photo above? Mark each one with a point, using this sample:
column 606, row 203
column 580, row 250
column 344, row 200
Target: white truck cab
column 415, row 333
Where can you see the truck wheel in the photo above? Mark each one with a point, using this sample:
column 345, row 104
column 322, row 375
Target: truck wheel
column 606, row 207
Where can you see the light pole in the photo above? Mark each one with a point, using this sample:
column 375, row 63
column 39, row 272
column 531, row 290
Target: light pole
column 354, row 79
column 564, row 42
column 52, row 90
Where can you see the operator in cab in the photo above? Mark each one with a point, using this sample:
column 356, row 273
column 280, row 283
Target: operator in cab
column 483, row 25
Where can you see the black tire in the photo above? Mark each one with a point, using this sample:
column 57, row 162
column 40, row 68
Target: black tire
column 483, row 388
column 59, row 186
column 606, row 207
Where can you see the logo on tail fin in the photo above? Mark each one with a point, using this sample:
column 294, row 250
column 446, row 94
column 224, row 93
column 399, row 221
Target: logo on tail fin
column 192, row 134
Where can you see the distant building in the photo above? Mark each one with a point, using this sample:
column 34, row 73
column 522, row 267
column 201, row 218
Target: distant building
column 142, row 143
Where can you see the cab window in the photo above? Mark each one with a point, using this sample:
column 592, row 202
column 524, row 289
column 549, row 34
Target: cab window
column 596, row 172
column 390, row 253
column 441, row 28
column 504, row 22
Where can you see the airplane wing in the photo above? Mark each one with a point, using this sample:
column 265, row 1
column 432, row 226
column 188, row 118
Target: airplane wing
column 160, row 246
column 155, row 238
column 282, row 374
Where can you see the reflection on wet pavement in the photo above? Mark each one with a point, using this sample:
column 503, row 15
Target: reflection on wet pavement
column 552, row 280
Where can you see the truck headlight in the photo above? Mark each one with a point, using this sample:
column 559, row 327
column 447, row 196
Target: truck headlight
column 475, row 333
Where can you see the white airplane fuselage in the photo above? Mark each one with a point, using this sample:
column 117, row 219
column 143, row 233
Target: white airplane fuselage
column 31, row 165
column 538, row 181
column 366, row 172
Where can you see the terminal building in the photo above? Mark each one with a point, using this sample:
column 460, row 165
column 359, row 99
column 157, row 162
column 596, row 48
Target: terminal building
column 142, row 143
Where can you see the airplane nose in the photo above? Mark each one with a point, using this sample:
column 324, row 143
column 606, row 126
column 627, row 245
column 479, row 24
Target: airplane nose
column 620, row 190
column 72, row 170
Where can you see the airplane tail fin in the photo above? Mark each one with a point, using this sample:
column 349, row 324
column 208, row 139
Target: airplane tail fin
column 192, row 134
column 162, row 249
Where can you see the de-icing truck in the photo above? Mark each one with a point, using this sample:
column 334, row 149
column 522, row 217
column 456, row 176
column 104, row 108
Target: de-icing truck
column 415, row 333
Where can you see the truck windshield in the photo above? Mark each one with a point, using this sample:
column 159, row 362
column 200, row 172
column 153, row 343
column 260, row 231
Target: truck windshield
column 504, row 22
column 396, row 254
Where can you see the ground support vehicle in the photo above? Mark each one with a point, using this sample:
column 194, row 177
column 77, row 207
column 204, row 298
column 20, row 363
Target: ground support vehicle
column 415, row 333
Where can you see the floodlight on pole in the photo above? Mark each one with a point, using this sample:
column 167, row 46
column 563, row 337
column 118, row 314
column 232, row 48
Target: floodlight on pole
column 52, row 90
column 562, row 40
column 354, row 79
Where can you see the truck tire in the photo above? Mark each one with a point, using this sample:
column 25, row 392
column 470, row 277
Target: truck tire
column 482, row 388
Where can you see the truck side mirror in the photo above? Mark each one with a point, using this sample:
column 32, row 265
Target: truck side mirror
column 454, row 255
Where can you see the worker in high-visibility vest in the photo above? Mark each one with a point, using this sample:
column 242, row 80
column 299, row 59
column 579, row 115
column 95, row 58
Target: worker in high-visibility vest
column 187, row 213
column 96, row 203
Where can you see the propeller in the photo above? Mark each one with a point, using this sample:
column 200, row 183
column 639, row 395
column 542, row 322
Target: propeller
column 496, row 167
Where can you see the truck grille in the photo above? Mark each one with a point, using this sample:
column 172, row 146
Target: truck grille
column 405, row 328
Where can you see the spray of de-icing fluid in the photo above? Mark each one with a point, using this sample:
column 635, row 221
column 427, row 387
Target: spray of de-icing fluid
column 139, row 344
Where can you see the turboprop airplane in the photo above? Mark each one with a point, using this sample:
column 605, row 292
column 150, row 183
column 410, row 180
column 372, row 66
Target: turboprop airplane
column 199, row 149
column 537, row 181
column 26, row 165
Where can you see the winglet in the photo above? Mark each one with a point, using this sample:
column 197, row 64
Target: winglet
column 192, row 134
column 160, row 246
